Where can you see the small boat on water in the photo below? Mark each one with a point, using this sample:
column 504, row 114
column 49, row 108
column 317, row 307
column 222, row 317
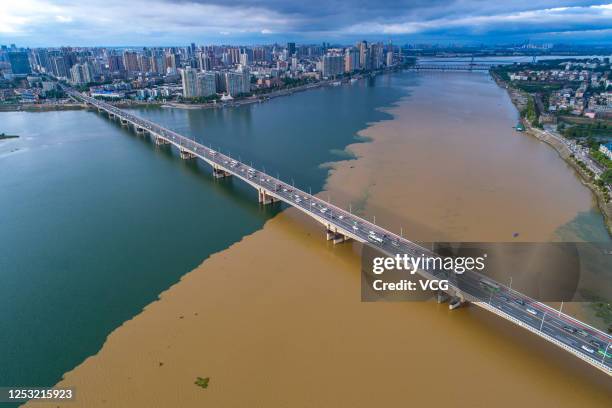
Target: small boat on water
column 336, row 83
column 519, row 127
column 353, row 80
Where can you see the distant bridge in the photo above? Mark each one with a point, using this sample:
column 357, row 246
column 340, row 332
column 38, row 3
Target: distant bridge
column 583, row 341
column 452, row 67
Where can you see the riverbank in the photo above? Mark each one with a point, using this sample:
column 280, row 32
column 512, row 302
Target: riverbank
column 519, row 99
column 42, row 107
column 276, row 319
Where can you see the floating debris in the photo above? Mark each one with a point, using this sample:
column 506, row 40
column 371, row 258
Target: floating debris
column 202, row 382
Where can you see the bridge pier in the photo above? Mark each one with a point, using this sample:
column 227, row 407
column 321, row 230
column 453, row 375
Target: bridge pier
column 336, row 237
column 186, row 155
column 140, row 130
column 124, row 122
column 111, row 116
column 160, row 141
column 457, row 301
column 220, row 173
column 441, row 296
column 265, row 198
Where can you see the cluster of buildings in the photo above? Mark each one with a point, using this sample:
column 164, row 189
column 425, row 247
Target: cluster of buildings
column 260, row 68
column 606, row 149
column 581, row 101
column 201, row 71
column 586, row 86
column 205, row 84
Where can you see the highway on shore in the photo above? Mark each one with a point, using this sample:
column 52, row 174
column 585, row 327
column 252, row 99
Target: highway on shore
column 585, row 342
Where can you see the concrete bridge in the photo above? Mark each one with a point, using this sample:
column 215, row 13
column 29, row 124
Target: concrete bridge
column 452, row 67
column 583, row 341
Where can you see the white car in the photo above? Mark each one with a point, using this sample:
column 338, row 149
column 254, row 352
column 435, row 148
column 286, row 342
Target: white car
column 587, row 349
column 532, row 311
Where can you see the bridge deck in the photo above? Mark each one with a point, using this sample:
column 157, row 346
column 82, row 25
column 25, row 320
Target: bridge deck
column 578, row 338
column 451, row 67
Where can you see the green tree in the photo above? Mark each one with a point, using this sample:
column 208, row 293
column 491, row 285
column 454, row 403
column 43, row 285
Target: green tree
column 606, row 177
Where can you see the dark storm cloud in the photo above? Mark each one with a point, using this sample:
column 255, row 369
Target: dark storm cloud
column 179, row 21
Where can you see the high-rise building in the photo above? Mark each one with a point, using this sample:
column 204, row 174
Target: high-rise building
column 81, row 74
column 261, row 54
column 377, row 55
column 144, row 64
column 158, row 63
column 238, row 82
column 294, row 63
column 233, row 83
column 233, row 55
column 42, row 61
column 130, row 61
column 59, row 66
column 189, row 77
column 389, row 61
column 196, row 84
column 332, row 65
column 171, row 62
column 115, row 63
column 351, row 60
column 364, row 55
column 20, row 64
column 290, row 49
column 244, row 59
column 204, row 61
column 207, row 83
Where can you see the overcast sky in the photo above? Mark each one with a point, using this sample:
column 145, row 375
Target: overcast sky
column 177, row 22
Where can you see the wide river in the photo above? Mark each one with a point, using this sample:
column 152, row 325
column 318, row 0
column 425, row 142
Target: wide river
column 96, row 222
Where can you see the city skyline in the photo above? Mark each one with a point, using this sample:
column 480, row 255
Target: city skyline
column 45, row 23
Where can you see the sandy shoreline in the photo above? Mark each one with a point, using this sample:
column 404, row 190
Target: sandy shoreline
column 287, row 328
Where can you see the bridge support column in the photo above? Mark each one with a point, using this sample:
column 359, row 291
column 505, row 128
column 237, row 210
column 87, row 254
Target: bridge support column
column 160, row 141
column 336, row 237
column 457, row 301
column 441, row 296
column 265, row 198
column 186, row 155
column 124, row 122
column 111, row 116
column 220, row 173
column 140, row 130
